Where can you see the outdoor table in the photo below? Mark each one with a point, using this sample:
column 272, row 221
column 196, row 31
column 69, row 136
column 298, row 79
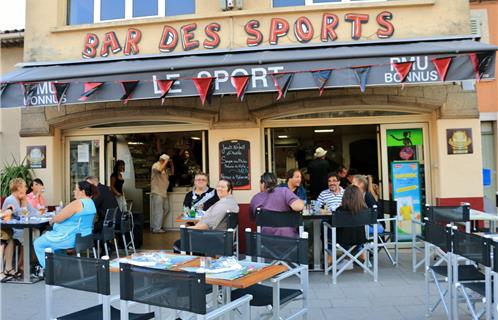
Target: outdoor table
column 476, row 215
column 28, row 226
column 317, row 240
column 183, row 219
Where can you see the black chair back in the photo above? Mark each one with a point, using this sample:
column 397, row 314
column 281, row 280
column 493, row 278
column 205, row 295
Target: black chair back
column 345, row 219
column 207, row 242
column 107, row 232
column 125, row 223
column 472, row 247
column 437, row 235
column 163, row 288
column 495, row 256
column 79, row 273
column 83, row 243
column 448, row 214
column 287, row 249
column 233, row 220
column 387, row 207
column 275, row 219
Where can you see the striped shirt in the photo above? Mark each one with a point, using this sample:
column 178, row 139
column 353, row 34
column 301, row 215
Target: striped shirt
column 332, row 200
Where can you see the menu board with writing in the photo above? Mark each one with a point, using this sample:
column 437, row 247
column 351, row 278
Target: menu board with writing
column 235, row 164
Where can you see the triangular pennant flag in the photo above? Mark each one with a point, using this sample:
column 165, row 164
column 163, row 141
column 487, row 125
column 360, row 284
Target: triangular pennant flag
column 240, row 85
column 29, row 90
column 60, row 89
column 205, row 87
column 361, row 74
column 321, row 77
column 442, row 65
column 476, row 64
column 403, row 69
column 88, row 89
column 282, row 82
column 3, row 86
column 165, row 86
column 128, row 88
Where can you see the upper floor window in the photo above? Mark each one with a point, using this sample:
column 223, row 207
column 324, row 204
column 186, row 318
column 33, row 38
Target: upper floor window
column 94, row 11
column 289, row 3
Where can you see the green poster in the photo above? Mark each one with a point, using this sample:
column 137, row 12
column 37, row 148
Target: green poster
column 404, row 137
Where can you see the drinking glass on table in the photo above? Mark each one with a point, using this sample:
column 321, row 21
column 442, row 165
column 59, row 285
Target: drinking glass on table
column 24, row 213
column 41, row 209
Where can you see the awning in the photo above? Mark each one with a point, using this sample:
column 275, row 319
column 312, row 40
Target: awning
column 259, row 63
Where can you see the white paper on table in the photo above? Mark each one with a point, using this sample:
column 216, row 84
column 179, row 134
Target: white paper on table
column 84, row 153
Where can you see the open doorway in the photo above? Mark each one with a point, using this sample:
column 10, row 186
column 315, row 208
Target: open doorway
column 353, row 146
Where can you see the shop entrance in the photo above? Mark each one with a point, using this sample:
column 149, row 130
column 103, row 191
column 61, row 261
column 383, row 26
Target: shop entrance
column 352, row 146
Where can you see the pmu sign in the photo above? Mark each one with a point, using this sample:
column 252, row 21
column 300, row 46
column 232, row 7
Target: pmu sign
column 188, row 37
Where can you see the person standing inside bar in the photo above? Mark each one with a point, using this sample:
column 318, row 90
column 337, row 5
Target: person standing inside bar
column 318, row 170
column 117, row 181
column 159, row 192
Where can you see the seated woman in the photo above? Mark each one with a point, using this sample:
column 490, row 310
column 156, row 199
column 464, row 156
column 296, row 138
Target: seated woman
column 363, row 183
column 352, row 203
column 202, row 197
column 35, row 196
column 76, row 217
column 6, row 247
column 278, row 199
column 294, row 180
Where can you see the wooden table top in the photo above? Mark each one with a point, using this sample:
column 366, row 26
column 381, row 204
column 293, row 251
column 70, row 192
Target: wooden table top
column 240, row 283
column 181, row 218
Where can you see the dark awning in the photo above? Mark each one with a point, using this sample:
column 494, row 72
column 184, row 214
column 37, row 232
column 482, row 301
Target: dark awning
column 260, row 63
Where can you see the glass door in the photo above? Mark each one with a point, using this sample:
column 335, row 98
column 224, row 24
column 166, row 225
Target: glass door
column 405, row 176
column 84, row 157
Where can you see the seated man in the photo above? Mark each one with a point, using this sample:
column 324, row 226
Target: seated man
column 332, row 197
column 103, row 200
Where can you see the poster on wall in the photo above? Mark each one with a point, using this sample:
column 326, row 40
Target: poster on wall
column 406, row 191
column 84, row 152
column 235, row 163
column 36, row 157
column 405, row 141
column 459, row 141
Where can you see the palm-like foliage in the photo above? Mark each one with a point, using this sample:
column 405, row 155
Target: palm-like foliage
column 12, row 171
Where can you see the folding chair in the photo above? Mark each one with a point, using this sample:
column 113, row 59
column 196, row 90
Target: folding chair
column 275, row 219
column 177, row 290
column 84, row 243
column 125, row 227
column 233, row 223
column 389, row 239
column 418, row 240
column 82, row 274
column 291, row 251
column 477, row 250
column 209, row 243
column 107, row 232
column 357, row 225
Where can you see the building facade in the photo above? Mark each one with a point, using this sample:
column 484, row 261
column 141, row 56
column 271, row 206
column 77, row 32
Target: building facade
column 426, row 130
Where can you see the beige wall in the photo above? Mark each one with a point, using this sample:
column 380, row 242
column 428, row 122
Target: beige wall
column 48, row 38
column 10, row 119
column 459, row 175
column 253, row 135
column 52, row 175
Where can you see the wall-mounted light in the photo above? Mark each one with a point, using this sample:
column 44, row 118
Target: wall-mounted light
column 323, row 130
column 283, row 137
column 135, row 142
column 195, row 138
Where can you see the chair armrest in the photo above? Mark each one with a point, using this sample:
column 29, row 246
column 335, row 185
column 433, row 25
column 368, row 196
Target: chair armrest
column 216, row 313
column 326, row 224
column 289, row 273
column 387, row 219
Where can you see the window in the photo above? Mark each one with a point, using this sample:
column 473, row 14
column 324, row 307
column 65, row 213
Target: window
column 289, row 3
column 94, row 11
column 80, row 11
column 176, row 8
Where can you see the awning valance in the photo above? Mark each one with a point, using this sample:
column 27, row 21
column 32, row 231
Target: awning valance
column 342, row 59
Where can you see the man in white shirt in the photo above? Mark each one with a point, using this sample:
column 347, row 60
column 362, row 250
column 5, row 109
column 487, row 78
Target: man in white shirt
column 159, row 193
column 332, row 197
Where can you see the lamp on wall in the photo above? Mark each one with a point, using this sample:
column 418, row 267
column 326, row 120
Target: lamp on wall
column 231, row 4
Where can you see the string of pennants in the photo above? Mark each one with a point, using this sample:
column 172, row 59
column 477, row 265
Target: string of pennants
column 205, row 86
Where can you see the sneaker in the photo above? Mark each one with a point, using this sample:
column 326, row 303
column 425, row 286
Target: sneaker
column 341, row 264
column 158, row 231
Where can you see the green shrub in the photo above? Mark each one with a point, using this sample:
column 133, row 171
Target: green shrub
column 12, row 171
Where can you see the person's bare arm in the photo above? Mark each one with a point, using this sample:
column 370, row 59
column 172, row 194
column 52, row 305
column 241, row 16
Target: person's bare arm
column 297, row 205
column 172, row 168
column 68, row 211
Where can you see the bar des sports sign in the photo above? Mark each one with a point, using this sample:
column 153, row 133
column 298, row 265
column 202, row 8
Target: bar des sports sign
column 187, row 37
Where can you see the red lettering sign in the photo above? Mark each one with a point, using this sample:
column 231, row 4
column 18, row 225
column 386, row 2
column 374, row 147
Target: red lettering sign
column 256, row 37
column 356, row 20
column 133, row 37
column 329, row 23
column 303, row 30
column 187, row 37
column 278, row 28
column 110, row 43
column 91, row 45
column 213, row 38
column 386, row 29
column 169, row 39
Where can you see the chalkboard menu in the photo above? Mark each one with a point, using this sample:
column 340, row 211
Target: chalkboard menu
column 234, row 163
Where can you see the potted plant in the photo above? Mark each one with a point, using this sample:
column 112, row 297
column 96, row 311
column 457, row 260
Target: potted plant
column 12, row 171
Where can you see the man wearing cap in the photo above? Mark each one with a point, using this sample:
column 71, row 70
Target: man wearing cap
column 159, row 193
column 318, row 170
